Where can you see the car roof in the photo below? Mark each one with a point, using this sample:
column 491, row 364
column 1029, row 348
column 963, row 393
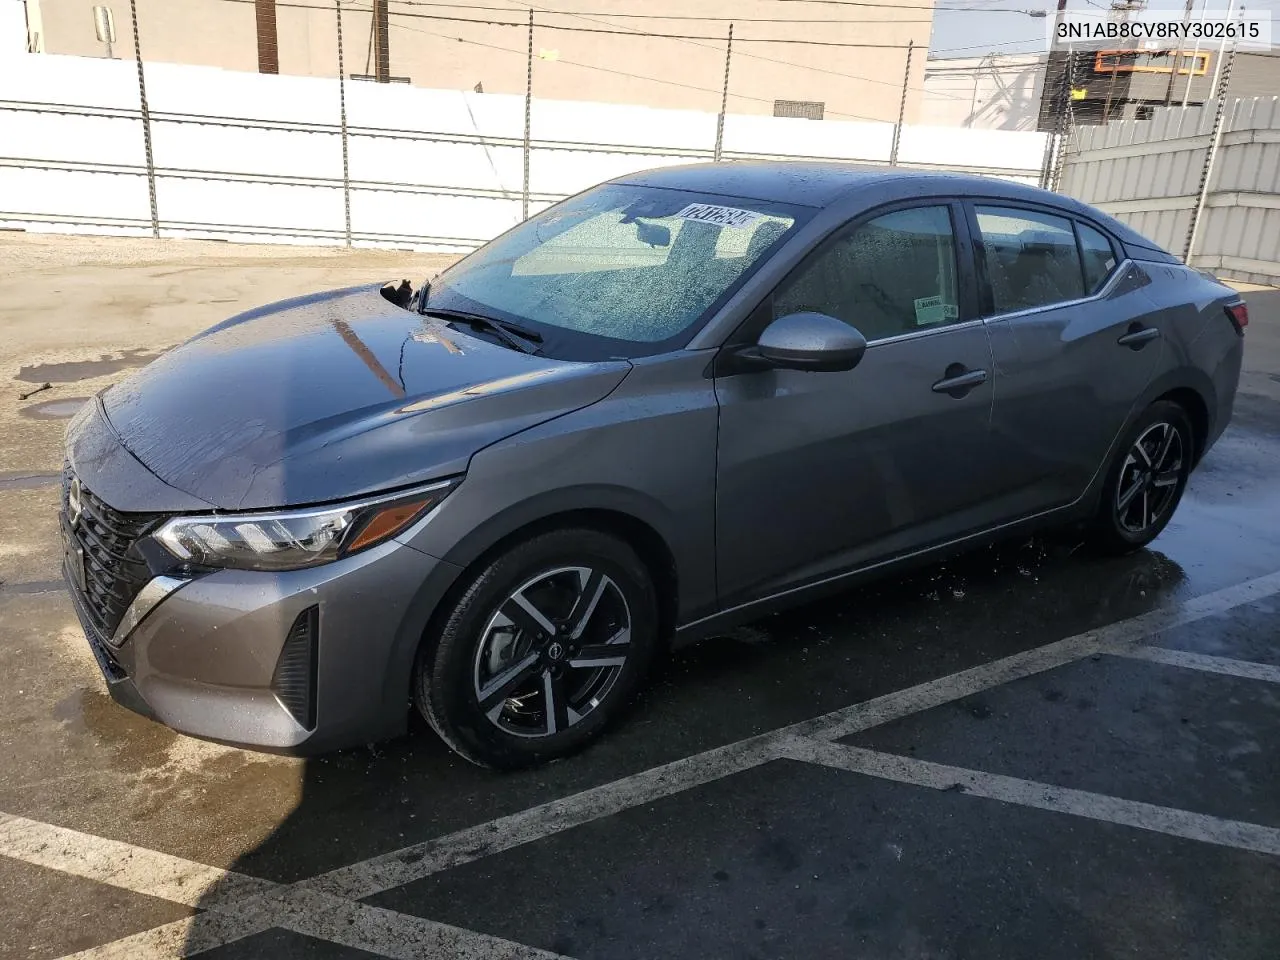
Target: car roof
column 805, row 183
column 821, row 183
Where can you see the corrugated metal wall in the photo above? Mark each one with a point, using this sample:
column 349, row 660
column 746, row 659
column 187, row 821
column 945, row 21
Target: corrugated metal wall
column 1149, row 173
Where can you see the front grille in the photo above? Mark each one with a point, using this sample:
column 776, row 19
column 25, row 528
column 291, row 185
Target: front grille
column 294, row 681
column 114, row 571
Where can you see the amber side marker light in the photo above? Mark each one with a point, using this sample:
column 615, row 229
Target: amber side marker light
column 387, row 523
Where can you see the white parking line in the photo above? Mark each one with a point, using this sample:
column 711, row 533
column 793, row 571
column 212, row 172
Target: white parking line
column 412, row 863
column 1043, row 796
column 403, row 866
column 181, row 938
column 1115, row 637
column 325, row 906
column 122, row 865
column 1199, row 661
column 240, row 905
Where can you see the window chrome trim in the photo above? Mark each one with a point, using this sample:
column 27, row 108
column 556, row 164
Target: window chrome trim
column 148, row 599
column 928, row 332
column 1121, row 271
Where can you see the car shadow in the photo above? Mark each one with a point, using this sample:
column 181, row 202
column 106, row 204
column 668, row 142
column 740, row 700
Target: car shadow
column 862, row 643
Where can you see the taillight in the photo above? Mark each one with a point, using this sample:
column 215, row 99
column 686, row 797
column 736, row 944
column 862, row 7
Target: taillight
column 1239, row 314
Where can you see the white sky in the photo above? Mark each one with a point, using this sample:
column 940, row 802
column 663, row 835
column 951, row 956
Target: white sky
column 973, row 33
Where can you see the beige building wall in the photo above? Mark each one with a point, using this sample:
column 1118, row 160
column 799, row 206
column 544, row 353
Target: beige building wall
column 431, row 47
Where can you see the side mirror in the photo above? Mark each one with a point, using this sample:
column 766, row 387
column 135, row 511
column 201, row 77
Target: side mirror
column 811, row 341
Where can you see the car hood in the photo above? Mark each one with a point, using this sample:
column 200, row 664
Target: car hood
column 335, row 395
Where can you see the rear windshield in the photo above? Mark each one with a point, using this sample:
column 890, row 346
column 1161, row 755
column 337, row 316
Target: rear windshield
column 620, row 270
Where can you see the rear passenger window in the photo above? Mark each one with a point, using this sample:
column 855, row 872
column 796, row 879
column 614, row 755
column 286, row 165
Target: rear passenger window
column 1032, row 260
column 1099, row 258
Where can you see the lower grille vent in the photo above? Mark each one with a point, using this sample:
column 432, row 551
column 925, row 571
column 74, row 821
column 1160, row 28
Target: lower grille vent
column 294, row 681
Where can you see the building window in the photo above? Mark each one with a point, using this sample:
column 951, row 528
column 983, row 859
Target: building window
column 807, row 109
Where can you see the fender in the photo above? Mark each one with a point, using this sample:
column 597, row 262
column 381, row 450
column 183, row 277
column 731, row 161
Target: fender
column 629, row 503
column 1180, row 378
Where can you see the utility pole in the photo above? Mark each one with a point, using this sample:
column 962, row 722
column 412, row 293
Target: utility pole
column 1122, row 8
column 1177, row 55
column 381, row 42
column 1222, row 53
column 264, row 12
column 1054, row 60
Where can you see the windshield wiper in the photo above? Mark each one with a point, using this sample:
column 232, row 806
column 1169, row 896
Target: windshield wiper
column 513, row 335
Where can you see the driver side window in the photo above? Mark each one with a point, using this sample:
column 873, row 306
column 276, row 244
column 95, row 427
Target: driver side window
column 891, row 275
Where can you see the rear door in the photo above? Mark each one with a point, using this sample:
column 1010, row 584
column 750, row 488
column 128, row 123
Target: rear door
column 821, row 472
column 1074, row 339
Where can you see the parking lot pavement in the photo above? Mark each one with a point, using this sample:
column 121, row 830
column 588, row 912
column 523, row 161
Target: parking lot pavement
column 1024, row 752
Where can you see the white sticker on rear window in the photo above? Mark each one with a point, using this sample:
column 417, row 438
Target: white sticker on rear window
column 724, row 216
column 931, row 310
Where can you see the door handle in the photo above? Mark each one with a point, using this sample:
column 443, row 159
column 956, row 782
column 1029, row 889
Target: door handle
column 958, row 381
column 1138, row 336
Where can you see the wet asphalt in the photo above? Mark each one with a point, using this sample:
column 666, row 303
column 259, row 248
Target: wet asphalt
column 785, row 860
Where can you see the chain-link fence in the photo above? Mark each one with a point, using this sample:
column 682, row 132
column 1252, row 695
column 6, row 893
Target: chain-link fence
column 398, row 122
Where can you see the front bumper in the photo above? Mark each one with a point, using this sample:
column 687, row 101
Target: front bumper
column 206, row 659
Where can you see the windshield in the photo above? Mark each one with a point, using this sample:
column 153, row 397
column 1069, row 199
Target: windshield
column 619, row 270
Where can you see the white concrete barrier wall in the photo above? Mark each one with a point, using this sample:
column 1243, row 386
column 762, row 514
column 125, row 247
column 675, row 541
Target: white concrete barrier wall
column 429, row 169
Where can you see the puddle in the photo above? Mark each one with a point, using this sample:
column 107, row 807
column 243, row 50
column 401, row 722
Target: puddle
column 25, row 480
column 54, row 409
column 71, row 371
column 151, row 751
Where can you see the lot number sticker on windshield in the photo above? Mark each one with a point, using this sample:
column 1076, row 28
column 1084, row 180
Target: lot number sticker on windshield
column 724, row 216
column 930, row 310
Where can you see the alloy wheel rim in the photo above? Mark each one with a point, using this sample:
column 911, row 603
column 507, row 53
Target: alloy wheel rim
column 1149, row 478
column 552, row 651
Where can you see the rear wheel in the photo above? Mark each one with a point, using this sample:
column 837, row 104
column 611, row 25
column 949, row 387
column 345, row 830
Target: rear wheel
column 1145, row 481
column 547, row 644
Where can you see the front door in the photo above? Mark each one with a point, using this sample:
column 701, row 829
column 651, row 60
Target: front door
column 820, row 472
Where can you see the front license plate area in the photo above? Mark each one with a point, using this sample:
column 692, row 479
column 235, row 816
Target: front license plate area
column 73, row 557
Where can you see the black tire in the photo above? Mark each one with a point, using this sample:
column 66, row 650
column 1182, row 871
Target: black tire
column 453, row 667
column 1117, row 526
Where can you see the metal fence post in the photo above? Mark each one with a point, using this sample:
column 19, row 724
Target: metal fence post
column 724, row 98
column 528, row 118
column 1206, row 172
column 342, row 119
column 902, row 108
column 146, row 123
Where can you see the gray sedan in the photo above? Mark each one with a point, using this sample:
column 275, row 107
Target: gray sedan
column 678, row 400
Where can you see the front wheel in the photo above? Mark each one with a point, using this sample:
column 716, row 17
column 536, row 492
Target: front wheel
column 546, row 645
column 1145, row 481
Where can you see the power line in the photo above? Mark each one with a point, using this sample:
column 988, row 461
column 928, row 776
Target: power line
column 905, row 6
column 627, row 33
column 623, row 73
column 648, row 33
column 987, row 46
column 678, row 16
column 663, row 16
column 757, row 56
column 691, row 39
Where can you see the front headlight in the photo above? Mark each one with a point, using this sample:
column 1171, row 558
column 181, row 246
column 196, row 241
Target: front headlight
column 291, row 539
